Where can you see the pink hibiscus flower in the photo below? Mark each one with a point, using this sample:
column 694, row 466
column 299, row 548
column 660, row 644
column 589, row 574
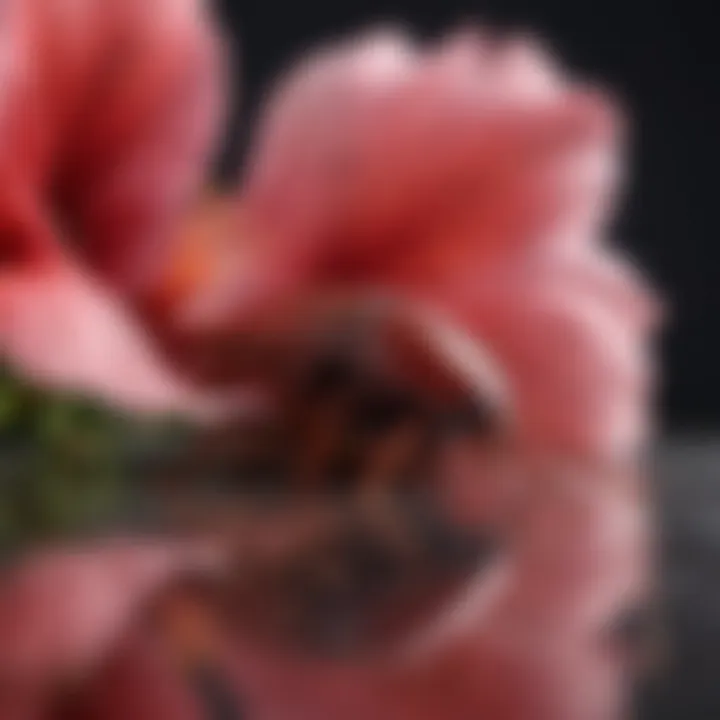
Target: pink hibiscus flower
column 473, row 178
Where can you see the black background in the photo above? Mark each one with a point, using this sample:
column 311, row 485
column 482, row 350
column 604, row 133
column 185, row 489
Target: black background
column 660, row 57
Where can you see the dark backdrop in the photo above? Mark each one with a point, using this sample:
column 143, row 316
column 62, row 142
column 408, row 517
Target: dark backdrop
column 654, row 53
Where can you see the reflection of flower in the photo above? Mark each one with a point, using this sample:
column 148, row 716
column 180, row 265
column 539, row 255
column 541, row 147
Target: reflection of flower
column 473, row 177
column 64, row 608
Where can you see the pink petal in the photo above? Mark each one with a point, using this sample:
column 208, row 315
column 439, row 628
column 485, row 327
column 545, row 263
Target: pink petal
column 108, row 115
column 369, row 164
column 59, row 327
column 60, row 612
column 140, row 682
column 574, row 354
column 137, row 160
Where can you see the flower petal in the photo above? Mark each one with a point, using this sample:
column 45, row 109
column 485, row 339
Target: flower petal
column 378, row 163
column 108, row 114
column 61, row 610
column 61, row 328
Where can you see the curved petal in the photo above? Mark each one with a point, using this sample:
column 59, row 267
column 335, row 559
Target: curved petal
column 573, row 333
column 108, row 115
column 60, row 327
column 376, row 144
column 138, row 681
column 136, row 160
column 62, row 610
